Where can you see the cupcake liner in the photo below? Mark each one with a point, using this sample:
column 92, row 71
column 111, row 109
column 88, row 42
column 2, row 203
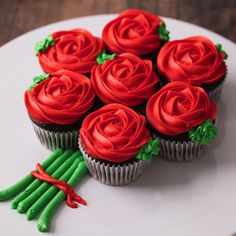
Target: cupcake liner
column 180, row 151
column 214, row 95
column 53, row 140
column 111, row 174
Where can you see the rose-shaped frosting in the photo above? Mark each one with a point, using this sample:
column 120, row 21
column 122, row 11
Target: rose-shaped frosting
column 194, row 60
column 133, row 31
column 179, row 107
column 61, row 99
column 127, row 79
column 75, row 50
column 114, row 133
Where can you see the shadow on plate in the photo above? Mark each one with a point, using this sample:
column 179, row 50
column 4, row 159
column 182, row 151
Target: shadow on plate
column 179, row 180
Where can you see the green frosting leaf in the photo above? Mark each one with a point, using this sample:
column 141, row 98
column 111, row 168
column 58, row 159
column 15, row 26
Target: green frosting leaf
column 44, row 44
column 163, row 32
column 37, row 80
column 203, row 133
column 220, row 50
column 148, row 150
column 102, row 57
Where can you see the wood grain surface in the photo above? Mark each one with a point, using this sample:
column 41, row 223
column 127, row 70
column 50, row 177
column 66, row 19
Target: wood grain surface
column 20, row 16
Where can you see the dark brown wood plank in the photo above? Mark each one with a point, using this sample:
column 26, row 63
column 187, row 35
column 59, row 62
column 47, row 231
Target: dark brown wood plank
column 20, row 16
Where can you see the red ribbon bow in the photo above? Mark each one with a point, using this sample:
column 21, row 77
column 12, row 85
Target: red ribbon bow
column 71, row 196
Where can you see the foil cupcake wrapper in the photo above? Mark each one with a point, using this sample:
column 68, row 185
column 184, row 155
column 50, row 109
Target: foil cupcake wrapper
column 53, row 140
column 180, row 151
column 215, row 94
column 111, row 174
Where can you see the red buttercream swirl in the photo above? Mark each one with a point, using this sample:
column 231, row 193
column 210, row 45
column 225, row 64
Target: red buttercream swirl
column 61, row 99
column 179, row 107
column 75, row 50
column 127, row 79
column 194, row 60
column 114, row 133
column 133, row 31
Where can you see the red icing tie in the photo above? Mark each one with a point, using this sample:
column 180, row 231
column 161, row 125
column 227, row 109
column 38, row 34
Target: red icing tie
column 71, row 196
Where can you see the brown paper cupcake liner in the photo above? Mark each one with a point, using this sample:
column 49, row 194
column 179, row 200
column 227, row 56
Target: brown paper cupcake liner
column 53, row 140
column 180, row 151
column 214, row 95
column 111, row 174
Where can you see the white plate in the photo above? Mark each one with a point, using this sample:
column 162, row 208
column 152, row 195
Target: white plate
column 197, row 198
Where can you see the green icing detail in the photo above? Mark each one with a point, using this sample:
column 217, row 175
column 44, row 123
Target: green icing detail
column 45, row 198
column 220, row 50
column 50, row 169
column 37, row 80
column 42, row 197
column 163, row 32
column 24, row 205
column 102, row 57
column 203, row 133
column 148, row 150
column 42, row 45
column 45, row 218
column 15, row 189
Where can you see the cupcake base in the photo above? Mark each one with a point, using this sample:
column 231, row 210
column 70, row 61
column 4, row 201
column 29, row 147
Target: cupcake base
column 215, row 93
column 112, row 173
column 180, row 151
column 56, row 139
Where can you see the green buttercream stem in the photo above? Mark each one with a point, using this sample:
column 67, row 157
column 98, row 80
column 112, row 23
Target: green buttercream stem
column 24, row 205
column 15, row 189
column 102, row 57
column 60, row 158
column 38, row 206
column 44, row 221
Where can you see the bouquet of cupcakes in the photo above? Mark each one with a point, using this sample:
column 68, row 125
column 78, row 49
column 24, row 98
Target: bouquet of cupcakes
column 121, row 99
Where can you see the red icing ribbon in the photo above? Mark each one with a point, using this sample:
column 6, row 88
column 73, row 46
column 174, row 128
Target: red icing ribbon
column 71, row 196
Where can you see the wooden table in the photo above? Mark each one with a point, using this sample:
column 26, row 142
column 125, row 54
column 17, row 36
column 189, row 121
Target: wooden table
column 20, row 16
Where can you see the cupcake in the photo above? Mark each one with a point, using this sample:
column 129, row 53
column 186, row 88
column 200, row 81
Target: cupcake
column 116, row 144
column 135, row 31
column 195, row 60
column 182, row 117
column 75, row 50
column 125, row 79
column 57, row 104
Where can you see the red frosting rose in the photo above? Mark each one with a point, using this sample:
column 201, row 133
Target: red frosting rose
column 74, row 50
column 194, row 60
column 127, row 79
column 133, row 31
column 114, row 133
column 61, row 99
column 179, row 107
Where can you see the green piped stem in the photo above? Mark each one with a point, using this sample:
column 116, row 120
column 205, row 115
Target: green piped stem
column 44, row 221
column 15, row 189
column 24, row 205
column 38, row 206
column 36, row 183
